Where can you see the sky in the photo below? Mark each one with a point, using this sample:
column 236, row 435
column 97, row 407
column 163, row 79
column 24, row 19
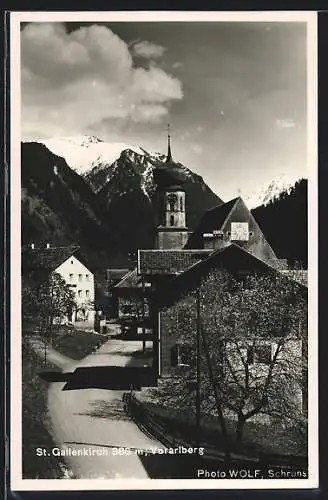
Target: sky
column 234, row 93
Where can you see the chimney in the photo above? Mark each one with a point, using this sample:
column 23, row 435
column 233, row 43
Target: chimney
column 47, row 246
column 32, row 246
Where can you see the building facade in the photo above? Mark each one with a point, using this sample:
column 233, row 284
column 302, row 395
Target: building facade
column 72, row 267
column 81, row 280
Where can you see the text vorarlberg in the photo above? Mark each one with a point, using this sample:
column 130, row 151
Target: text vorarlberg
column 67, row 451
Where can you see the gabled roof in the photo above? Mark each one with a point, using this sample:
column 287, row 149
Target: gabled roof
column 47, row 259
column 130, row 280
column 213, row 218
column 114, row 275
column 168, row 262
column 231, row 258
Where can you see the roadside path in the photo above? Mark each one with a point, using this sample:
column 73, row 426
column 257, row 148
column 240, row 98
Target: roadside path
column 53, row 356
column 94, row 419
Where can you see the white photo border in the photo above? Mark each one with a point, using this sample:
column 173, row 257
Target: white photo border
column 17, row 483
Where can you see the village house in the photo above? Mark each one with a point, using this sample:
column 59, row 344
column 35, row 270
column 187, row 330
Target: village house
column 73, row 268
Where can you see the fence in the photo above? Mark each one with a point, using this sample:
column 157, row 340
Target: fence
column 173, row 433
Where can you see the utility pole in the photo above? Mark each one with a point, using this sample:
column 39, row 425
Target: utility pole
column 198, row 367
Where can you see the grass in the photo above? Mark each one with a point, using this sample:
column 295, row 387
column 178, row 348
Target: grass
column 78, row 344
column 35, row 422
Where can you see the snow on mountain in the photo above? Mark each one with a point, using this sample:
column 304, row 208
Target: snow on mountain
column 100, row 162
column 82, row 153
column 269, row 191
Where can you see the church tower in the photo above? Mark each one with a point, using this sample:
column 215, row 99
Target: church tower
column 171, row 231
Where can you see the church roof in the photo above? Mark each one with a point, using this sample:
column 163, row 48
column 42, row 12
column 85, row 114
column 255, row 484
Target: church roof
column 212, row 219
column 170, row 174
column 168, row 262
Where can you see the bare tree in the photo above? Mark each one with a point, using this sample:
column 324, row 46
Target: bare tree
column 254, row 358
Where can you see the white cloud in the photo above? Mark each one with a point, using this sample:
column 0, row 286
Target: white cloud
column 283, row 123
column 148, row 50
column 71, row 81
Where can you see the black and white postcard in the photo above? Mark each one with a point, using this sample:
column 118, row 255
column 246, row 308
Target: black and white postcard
column 163, row 190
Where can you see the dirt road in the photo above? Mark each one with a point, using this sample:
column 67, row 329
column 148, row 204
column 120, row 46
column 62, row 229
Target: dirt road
column 93, row 420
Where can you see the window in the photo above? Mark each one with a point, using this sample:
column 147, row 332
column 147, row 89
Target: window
column 80, row 277
column 181, row 204
column 172, row 220
column 87, row 277
column 87, row 294
column 71, row 276
column 79, row 293
column 72, row 262
column 239, row 231
column 172, row 199
column 259, row 354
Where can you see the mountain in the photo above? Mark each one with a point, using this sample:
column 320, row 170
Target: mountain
column 122, row 176
column 83, row 152
column 270, row 191
column 134, row 172
column 284, row 222
column 107, row 207
column 58, row 205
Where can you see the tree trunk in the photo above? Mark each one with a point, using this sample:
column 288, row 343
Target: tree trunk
column 240, row 428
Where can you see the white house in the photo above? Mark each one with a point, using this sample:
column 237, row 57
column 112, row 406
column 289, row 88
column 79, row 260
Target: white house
column 81, row 280
column 72, row 267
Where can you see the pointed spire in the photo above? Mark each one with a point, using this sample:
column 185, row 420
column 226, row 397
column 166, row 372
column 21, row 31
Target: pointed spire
column 169, row 154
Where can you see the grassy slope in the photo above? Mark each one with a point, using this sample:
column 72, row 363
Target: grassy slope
column 78, row 344
column 35, row 433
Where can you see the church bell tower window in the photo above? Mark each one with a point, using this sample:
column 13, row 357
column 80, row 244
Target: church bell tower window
column 172, row 220
column 172, row 199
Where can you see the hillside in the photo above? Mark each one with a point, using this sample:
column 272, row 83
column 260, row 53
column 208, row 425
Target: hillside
column 127, row 187
column 107, row 211
column 284, row 223
column 59, row 207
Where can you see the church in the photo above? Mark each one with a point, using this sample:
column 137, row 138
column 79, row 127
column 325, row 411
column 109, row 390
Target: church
column 227, row 237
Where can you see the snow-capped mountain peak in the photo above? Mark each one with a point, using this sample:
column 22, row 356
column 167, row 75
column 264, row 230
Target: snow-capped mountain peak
column 100, row 162
column 270, row 191
column 82, row 153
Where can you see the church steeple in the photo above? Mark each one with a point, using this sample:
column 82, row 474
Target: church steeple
column 169, row 153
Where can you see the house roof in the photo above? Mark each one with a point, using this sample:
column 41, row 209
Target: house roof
column 168, row 262
column 231, row 258
column 47, row 259
column 299, row 275
column 115, row 275
column 212, row 219
column 132, row 284
column 130, row 280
